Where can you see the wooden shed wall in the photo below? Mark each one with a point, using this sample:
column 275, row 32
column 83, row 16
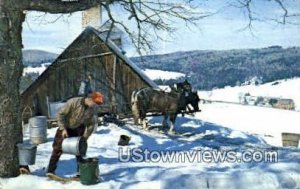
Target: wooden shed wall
column 111, row 76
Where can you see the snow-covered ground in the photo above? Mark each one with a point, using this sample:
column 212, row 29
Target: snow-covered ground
column 38, row 70
column 219, row 127
column 164, row 75
column 289, row 88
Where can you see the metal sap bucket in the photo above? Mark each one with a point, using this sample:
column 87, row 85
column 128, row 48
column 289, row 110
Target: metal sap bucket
column 74, row 145
column 27, row 153
column 124, row 140
column 290, row 139
column 89, row 171
column 38, row 129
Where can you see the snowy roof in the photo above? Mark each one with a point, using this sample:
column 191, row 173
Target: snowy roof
column 114, row 31
column 110, row 45
column 119, row 53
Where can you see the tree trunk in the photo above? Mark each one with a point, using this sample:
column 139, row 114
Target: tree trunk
column 11, row 67
column 10, row 73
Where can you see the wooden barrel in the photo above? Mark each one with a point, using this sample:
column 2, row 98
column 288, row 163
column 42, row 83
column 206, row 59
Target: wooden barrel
column 290, row 139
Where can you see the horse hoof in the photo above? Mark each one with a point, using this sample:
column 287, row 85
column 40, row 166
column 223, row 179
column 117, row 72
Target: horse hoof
column 171, row 132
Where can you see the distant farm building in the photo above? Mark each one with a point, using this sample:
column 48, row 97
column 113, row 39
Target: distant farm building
column 89, row 55
column 280, row 103
column 287, row 104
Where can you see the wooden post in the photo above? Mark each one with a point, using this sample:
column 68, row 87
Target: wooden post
column 114, row 102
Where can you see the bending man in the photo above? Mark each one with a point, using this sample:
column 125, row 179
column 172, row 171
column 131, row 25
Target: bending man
column 75, row 118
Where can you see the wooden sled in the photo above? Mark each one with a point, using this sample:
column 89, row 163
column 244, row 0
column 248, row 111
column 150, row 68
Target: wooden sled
column 62, row 179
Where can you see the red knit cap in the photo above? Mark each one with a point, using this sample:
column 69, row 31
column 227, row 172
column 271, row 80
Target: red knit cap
column 97, row 97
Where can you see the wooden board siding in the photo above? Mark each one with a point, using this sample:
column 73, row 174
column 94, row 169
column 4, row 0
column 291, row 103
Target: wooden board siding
column 88, row 54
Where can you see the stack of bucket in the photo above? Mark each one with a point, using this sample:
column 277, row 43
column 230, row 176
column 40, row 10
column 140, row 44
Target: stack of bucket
column 38, row 135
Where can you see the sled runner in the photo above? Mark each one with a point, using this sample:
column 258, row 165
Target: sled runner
column 62, row 179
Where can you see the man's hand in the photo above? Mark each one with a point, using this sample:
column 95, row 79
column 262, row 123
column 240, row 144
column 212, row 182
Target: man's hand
column 65, row 133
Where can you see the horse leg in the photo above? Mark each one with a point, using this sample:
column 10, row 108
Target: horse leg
column 136, row 113
column 144, row 120
column 172, row 120
column 145, row 124
column 135, row 119
column 165, row 121
column 140, row 121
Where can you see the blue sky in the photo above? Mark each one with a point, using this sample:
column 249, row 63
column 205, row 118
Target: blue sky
column 219, row 32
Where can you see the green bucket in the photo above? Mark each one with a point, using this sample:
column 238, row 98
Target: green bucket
column 89, row 171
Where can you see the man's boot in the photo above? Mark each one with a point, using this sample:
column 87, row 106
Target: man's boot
column 52, row 166
column 24, row 170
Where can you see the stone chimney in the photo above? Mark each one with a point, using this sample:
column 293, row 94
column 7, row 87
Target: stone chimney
column 92, row 17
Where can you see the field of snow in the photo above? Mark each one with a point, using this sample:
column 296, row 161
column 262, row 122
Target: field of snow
column 38, row 70
column 289, row 88
column 164, row 75
column 219, row 127
column 196, row 164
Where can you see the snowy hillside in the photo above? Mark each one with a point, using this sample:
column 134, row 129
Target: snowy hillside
column 163, row 75
column 289, row 88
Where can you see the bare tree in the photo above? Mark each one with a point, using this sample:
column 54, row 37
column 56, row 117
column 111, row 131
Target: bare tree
column 284, row 15
column 153, row 17
column 12, row 14
column 149, row 16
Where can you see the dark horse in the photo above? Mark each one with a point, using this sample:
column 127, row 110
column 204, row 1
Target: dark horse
column 150, row 100
column 191, row 98
column 183, row 86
